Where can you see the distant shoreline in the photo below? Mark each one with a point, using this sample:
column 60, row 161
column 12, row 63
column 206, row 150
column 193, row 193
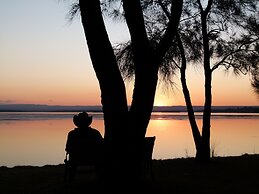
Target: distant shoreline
column 60, row 108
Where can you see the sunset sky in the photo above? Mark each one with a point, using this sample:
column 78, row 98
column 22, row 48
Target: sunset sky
column 44, row 60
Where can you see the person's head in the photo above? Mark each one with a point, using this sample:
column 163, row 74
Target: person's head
column 82, row 119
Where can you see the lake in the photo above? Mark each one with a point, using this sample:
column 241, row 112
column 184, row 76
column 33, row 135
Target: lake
column 38, row 138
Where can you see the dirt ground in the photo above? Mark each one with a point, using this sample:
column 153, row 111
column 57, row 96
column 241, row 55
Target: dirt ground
column 223, row 175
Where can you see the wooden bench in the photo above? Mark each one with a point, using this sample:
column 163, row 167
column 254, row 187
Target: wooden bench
column 85, row 153
column 87, row 157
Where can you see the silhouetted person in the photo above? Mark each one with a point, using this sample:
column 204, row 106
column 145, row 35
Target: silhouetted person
column 84, row 145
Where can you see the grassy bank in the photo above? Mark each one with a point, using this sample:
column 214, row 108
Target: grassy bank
column 230, row 175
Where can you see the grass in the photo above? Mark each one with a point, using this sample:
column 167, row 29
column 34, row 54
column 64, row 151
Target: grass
column 239, row 174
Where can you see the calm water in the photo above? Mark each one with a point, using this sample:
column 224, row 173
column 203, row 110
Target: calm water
column 39, row 138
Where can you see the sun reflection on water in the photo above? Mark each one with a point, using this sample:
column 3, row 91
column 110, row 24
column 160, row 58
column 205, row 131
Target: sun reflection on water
column 42, row 141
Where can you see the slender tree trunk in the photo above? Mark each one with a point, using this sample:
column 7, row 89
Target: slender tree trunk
column 195, row 130
column 203, row 153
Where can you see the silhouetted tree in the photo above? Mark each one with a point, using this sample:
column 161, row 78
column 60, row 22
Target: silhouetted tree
column 125, row 129
column 221, row 44
column 255, row 81
column 213, row 33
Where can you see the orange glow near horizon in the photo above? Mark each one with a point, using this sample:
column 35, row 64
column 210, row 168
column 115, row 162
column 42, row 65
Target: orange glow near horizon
column 161, row 100
column 48, row 63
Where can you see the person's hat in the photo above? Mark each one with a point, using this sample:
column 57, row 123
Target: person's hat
column 82, row 119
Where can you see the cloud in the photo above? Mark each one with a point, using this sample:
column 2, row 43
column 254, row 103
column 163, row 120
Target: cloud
column 7, row 101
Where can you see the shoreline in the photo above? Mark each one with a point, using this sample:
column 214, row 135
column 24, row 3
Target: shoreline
column 230, row 174
column 154, row 160
column 98, row 108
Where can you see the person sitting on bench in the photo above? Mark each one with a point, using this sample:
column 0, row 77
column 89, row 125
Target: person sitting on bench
column 83, row 146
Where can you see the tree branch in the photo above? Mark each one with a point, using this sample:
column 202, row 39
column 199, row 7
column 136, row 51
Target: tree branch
column 168, row 15
column 166, row 40
column 207, row 10
column 188, row 18
column 135, row 21
column 239, row 49
column 200, row 5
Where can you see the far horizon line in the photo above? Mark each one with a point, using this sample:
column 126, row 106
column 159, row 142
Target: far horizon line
column 38, row 104
column 98, row 108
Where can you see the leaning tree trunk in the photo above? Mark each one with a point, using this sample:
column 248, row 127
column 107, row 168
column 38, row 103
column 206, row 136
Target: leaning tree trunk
column 113, row 94
column 195, row 130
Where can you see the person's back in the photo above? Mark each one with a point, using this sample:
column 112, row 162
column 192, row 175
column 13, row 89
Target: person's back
column 84, row 144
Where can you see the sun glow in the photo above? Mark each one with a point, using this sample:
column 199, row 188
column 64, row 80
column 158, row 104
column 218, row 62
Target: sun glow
column 161, row 100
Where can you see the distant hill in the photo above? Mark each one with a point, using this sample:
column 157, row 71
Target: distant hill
column 59, row 108
column 46, row 108
column 215, row 109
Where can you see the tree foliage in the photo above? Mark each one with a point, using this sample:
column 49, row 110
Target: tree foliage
column 213, row 34
column 232, row 29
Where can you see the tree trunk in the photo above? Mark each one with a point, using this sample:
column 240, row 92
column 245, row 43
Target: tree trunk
column 124, row 130
column 147, row 60
column 113, row 94
column 203, row 153
column 144, row 86
column 195, row 130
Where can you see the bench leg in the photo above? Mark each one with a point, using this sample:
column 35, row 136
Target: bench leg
column 70, row 172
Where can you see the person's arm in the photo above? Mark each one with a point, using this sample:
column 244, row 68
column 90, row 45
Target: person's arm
column 68, row 143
